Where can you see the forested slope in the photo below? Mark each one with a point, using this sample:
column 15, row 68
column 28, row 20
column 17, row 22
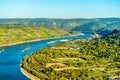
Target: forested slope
column 79, row 59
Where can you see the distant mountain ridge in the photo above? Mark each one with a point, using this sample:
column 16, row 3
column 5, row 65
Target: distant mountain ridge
column 72, row 25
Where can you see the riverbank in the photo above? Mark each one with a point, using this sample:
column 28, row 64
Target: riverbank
column 4, row 45
column 28, row 75
column 15, row 54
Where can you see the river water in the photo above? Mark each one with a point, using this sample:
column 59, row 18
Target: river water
column 11, row 56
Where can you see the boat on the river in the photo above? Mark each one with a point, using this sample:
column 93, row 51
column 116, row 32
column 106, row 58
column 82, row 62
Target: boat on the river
column 51, row 42
column 81, row 34
column 64, row 40
column 2, row 51
column 25, row 49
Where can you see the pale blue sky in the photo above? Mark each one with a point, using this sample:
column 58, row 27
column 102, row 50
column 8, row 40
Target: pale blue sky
column 59, row 8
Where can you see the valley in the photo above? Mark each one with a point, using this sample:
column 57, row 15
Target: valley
column 26, row 29
column 93, row 57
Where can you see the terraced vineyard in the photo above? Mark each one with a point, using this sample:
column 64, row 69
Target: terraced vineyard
column 18, row 33
column 80, row 59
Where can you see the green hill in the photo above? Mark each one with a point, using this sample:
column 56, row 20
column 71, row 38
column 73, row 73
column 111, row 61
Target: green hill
column 114, row 34
column 13, row 34
column 80, row 59
column 98, row 26
column 90, row 27
column 71, row 25
column 15, row 30
column 67, row 24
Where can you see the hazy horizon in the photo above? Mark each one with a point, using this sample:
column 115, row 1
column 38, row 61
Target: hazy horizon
column 59, row 18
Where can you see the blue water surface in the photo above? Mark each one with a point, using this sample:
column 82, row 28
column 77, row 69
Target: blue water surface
column 11, row 56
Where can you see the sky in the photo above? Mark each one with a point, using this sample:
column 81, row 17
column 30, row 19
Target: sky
column 59, row 8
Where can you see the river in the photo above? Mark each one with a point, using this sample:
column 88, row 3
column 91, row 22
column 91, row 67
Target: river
column 11, row 56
